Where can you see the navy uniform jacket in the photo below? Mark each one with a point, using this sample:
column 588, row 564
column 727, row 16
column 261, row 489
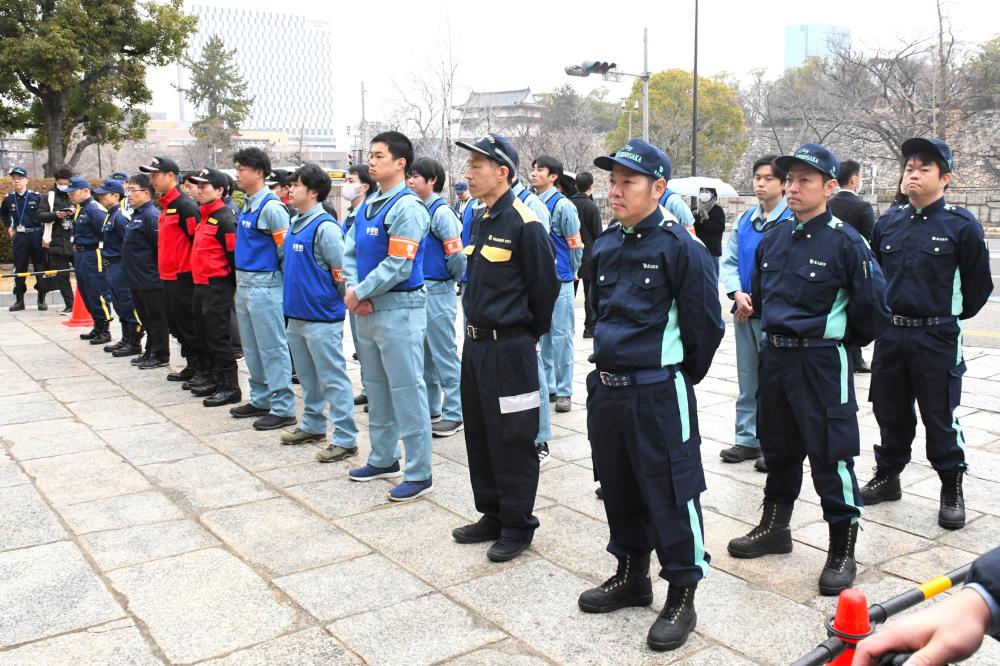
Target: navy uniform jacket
column 21, row 210
column 511, row 269
column 935, row 260
column 88, row 223
column 114, row 233
column 655, row 299
column 139, row 248
column 819, row 280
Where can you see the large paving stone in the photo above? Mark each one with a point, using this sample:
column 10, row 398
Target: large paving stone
column 120, row 412
column 55, row 369
column 47, row 590
column 876, row 543
column 35, row 410
column 10, row 473
column 25, row 519
column 435, row 628
column 281, row 536
column 340, row 496
column 208, row 482
column 309, row 472
column 507, row 652
column 116, row 643
column 929, row 563
column 92, row 387
column 913, row 514
column 980, row 495
column 114, row 549
column 81, row 477
column 717, row 656
column 575, row 542
column 536, row 603
column 351, row 587
column 153, row 443
column 257, row 450
column 418, row 536
column 453, row 490
column 978, row 536
column 312, row 647
column 562, row 482
column 121, row 511
column 751, row 621
column 196, row 419
column 43, row 439
column 202, row 604
column 742, row 501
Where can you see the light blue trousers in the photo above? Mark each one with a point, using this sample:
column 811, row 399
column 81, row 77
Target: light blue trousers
column 265, row 347
column 442, row 369
column 557, row 344
column 318, row 350
column 391, row 351
column 748, row 337
column 545, row 409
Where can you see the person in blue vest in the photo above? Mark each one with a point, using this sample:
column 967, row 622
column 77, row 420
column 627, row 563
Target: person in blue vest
column 462, row 198
column 384, row 273
column 658, row 328
column 260, row 240
column 564, row 230
column 358, row 187
column 88, row 229
column 938, row 268
column 818, row 289
column 19, row 215
column 314, row 305
column 735, row 272
column 541, row 211
column 444, row 263
column 110, row 195
column 676, row 206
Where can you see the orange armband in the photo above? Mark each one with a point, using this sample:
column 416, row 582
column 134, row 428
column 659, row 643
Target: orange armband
column 338, row 274
column 279, row 236
column 452, row 246
column 403, row 247
column 575, row 242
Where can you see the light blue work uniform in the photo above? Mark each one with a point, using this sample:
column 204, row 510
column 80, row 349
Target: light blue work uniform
column 314, row 305
column 735, row 270
column 674, row 203
column 444, row 264
column 557, row 344
column 391, row 339
column 259, row 310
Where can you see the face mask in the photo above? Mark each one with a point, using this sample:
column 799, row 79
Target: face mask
column 349, row 191
column 704, row 197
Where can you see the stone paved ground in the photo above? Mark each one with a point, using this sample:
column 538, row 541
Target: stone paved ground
column 140, row 528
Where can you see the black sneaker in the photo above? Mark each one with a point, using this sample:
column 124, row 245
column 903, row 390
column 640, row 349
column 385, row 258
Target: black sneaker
column 676, row 621
column 445, row 428
column 42, row 305
column 361, row 399
column 485, row 529
column 272, row 422
column 248, row 410
column 738, row 454
column 760, row 465
column 599, row 491
column 506, row 549
column 182, row 375
column 18, row 305
column 153, row 362
column 542, row 450
column 588, row 334
column 140, row 358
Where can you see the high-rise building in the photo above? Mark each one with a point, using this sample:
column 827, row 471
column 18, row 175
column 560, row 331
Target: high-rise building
column 812, row 40
column 279, row 55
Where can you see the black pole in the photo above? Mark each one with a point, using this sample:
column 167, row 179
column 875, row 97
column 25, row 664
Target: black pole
column 694, row 97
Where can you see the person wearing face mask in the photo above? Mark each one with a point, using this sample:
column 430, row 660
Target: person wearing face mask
column 58, row 236
column 709, row 223
column 357, row 188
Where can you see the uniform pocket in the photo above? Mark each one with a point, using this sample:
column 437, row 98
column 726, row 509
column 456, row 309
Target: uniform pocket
column 518, row 395
column 842, row 437
column 495, row 254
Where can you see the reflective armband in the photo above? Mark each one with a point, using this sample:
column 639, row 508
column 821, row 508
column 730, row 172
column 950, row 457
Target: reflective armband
column 405, row 248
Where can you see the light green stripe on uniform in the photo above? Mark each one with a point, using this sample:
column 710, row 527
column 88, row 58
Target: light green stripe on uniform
column 680, row 387
column 671, row 349
column 836, row 321
column 699, row 541
column 844, row 372
column 848, row 488
column 959, row 356
column 956, row 294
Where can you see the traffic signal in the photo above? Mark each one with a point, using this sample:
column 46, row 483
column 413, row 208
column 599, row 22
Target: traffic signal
column 589, row 67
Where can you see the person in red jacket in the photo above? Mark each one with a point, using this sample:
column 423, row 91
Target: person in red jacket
column 178, row 220
column 212, row 266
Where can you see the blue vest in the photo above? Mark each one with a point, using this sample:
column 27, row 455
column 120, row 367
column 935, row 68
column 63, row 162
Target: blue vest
column 310, row 293
column 523, row 194
column 666, row 195
column 749, row 239
column 255, row 250
column 371, row 238
column 564, row 268
column 435, row 260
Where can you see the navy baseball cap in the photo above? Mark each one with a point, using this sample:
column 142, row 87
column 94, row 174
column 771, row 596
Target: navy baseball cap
column 814, row 155
column 278, row 177
column 118, row 175
column 111, row 185
column 161, row 165
column 213, row 177
column 76, row 183
column 494, row 147
column 461, row 187
column 931, row 147
column 638, row 155
column 18, row 171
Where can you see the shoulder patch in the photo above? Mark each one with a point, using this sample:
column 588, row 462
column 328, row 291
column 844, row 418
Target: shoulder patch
column 961, row 212
column 527, row 215
column 212, row 220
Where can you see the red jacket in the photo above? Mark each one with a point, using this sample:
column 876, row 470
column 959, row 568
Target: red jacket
column 178, row 221
column 214, row 243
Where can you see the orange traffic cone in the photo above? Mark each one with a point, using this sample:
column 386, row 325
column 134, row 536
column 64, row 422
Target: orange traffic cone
column 851, row 623
column 80, row 316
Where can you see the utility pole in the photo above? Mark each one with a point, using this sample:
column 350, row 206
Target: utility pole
column 364, row 124
column 694, row 97
column 645, row 84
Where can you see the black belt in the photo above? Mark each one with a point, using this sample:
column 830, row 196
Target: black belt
column 495, row 333
column 916, row 322
column 81, row 248
column 636, row 377
column 786, row 342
